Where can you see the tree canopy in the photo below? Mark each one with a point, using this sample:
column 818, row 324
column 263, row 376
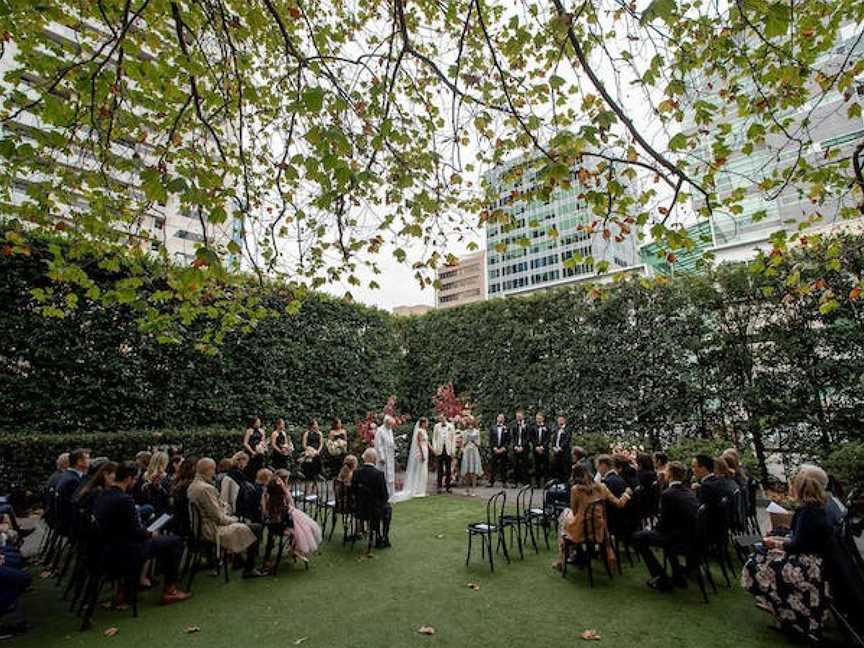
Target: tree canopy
column 323, row 133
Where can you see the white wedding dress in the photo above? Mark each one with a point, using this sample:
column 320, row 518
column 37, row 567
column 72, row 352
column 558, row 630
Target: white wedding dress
column 417, row 471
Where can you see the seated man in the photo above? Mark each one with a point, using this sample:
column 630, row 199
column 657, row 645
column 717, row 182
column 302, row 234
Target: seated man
column 711, row 488
column 233, row 536
column 127, row 544
column 13, row 583
column 370, row 488
column 673, row 531
column 67, row 486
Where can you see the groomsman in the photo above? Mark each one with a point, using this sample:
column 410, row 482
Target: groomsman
column 499, row 439
column 444, row 448
column 519, row 439
column 539, row 437
column 561, row 450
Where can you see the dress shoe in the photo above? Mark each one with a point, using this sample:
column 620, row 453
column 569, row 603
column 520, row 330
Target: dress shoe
column 173, row 595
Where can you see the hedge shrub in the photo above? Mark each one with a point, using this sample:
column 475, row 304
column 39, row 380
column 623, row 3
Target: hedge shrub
column 846, row 463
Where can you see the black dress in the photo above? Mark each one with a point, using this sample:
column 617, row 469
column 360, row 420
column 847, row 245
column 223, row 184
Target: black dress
column 312, row 466
column 280, row 460
column 256, row 460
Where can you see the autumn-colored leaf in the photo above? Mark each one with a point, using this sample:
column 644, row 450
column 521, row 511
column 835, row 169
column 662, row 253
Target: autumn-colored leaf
column 294, row 12
column 855, row 293
column 190, row 629
column 110, row 632
column 474, row 586
column 590, row 635
column 426, row 630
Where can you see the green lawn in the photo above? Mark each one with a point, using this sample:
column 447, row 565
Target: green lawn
column 422, row 580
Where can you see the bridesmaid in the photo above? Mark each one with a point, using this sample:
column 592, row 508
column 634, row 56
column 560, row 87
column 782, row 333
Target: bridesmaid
column 337, row 446
column 280, row 445
column 255, row 446
column 472, row 466
column 312, row 444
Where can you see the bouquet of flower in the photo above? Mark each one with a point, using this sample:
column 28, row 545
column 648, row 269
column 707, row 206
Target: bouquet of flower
column 336, row 447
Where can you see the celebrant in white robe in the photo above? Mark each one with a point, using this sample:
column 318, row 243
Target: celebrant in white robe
column 385, row 446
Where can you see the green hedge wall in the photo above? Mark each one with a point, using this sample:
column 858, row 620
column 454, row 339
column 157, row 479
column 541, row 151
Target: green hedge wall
column 95, row 370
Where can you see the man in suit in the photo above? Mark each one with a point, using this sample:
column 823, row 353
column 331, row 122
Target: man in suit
column 127, row 544
column 373, row 499
column 67, row 486
column 673, row 531
column 579, row 456
column 499, row 439
column 539, row 437
column 609, row 476
column 444, row 449
column 711, row 489
column 519, row 439
column 560, row 445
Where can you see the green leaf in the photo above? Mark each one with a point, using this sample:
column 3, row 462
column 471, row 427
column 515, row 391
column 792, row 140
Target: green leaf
column 664, row 9
column 313, row 99
column 777, row 20
column 678, row 142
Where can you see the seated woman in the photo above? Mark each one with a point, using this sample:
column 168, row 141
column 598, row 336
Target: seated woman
column 103, row 478
column 279, row 506
column 153, row 490
column 342, row 484
column 786, row 575
column 585, row 491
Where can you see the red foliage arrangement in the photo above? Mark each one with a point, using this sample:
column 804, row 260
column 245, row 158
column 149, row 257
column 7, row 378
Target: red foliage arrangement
column 446, row 402
column 366, row 427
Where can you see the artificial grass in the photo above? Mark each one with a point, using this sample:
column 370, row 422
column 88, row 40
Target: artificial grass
column 344, row 601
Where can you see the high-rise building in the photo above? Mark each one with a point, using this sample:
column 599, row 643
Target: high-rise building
column 408, row 311
column 684, row 260
column 530, row 252
column 462, row 282
column 157, row 227
column 828, row 131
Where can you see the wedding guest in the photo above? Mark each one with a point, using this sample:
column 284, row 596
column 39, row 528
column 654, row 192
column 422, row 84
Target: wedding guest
column 304, row 531
column 609, row 476
column 472, row 464
column 499, row 439
column 312, row 443
column 786, row 576
column 624, row 467
column 173, row 465
column 444, row 447
column 225, row 465
column 519, row 437
column 538, row 438
column 342, row 484
column 710, row 489
column 235, row 537
column 13, row 583
column 233, row 480
column 579, row 456
column 61, row 466
column 645, row 472
column 459, row 443
column 835, row 511
column 372, row 496
column 67, row 485
column 88, row 493
column 127, row 544
column 281, row 446
column 673, row 531
column 561, row 458
column 255, row 446
column 153, row 490
column 738, row 474
column 179, row 497
column 584, row 492
column 349, row 465
column 661, row 462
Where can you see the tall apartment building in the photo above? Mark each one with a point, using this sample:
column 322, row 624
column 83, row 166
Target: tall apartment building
column 168, row 226
column 462, row 282
column 832, row 131
column 543, row 235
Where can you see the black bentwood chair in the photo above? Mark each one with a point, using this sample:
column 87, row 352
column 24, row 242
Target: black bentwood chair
column 493, row 527
column 597, row 543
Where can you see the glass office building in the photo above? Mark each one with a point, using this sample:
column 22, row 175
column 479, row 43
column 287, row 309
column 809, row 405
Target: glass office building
column 530, row 251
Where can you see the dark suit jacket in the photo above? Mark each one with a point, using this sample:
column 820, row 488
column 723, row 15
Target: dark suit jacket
column 712, row 489
column 67, row 485
column 678, row 512
column 493, row 437
column 370, row 489
column 615, row 483
column 534, row 436
column 515, row 434
column 566, row 437
column 118, row 522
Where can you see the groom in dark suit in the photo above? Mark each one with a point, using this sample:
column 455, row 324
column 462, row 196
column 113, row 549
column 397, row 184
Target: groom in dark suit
column 370, row 488
column 499, row 439
column 519, row 439
column 539, row 437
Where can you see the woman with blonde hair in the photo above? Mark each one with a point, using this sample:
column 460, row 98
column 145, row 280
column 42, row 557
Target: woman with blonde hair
column 785, row 574
column 154, row 488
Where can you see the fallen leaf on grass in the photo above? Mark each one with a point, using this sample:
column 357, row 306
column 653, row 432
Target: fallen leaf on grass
column 192, row 628
column 110, row 632
column 474, row 586
column 300, row 641
column 590, row 635
column 440, row 536
column 45, row 574
column 365, row 556
column 426, row 630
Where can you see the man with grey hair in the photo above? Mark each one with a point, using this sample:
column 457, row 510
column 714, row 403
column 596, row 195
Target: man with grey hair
column 385, row 447
column 370, row 489
column 834, row 509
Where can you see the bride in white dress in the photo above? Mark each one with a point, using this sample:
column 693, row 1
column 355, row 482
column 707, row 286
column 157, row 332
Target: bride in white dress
column 417, row 471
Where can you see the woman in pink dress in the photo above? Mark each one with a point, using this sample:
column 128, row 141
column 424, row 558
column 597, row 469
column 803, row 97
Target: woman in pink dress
column 305, row 533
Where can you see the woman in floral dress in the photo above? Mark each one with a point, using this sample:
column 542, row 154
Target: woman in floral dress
column 786, row 576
